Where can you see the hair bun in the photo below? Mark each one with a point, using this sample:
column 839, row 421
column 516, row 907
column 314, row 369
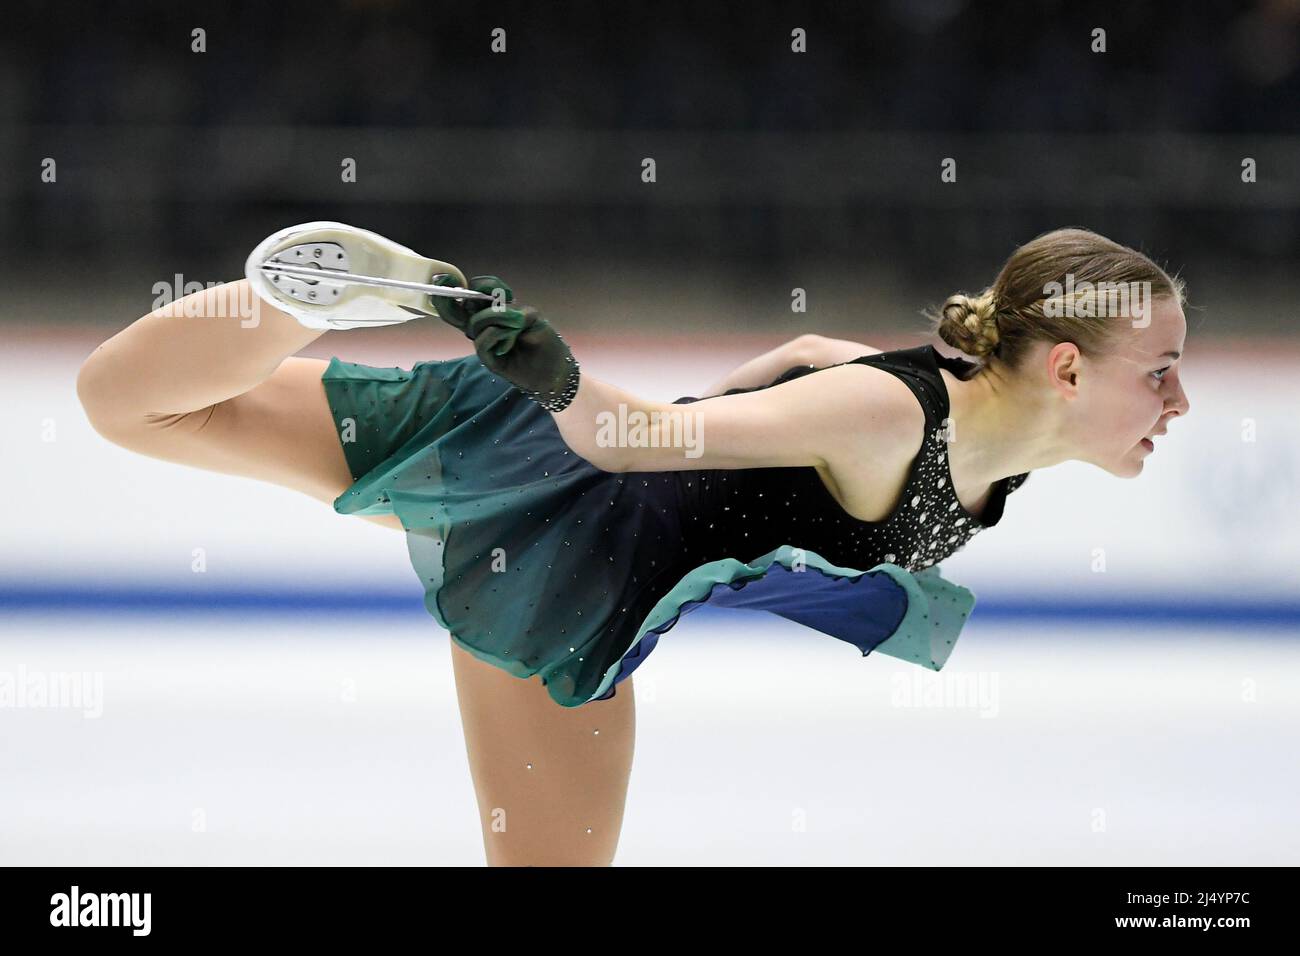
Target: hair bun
column 970, row 323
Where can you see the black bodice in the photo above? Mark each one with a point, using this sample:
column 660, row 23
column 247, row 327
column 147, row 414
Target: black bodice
column 747, row 513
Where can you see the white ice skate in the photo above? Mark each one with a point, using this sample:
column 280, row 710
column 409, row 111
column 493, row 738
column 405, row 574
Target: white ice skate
column 329, row 275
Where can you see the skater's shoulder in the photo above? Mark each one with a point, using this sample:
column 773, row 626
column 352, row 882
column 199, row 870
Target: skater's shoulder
column 876, row 421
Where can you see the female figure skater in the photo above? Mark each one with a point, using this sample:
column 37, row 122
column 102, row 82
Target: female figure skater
column 825, row 480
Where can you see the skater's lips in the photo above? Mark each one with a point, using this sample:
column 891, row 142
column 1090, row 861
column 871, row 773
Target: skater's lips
column 1161, row 432
column 1149, row 443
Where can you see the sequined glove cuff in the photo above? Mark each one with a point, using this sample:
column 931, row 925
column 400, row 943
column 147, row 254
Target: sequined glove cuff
column 521, row 347
column 514, row 342
column 559, row 399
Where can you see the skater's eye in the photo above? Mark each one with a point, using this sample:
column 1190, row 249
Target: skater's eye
column 1159, row 376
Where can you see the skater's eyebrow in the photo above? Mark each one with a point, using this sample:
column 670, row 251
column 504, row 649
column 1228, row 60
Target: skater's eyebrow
column 1172, row 354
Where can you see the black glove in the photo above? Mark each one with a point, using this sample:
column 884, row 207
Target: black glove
column 515, row 343
column 458, row 312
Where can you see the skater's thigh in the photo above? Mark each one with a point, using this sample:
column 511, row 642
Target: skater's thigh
column 280, row 431
column 551, row 781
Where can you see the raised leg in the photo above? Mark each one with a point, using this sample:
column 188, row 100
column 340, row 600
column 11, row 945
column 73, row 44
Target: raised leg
column 211, row 381
column 551, row 781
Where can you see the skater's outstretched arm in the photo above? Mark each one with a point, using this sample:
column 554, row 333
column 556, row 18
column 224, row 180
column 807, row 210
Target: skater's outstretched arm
column 841, row 419
column 824, row 350
column 818, row 351
column 852, row 422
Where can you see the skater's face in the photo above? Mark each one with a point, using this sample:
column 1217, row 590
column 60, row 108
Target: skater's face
column 1123, row 401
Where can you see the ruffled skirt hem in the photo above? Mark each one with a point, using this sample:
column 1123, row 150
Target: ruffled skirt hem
column 912, row 616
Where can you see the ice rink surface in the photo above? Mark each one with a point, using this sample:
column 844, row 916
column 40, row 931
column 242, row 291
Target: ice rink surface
column 298, row 739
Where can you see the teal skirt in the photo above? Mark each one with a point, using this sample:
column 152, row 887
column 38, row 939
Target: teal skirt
column 538, row 562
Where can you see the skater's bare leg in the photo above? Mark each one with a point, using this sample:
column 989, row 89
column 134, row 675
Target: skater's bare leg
column 567, row 808
column 211, row 381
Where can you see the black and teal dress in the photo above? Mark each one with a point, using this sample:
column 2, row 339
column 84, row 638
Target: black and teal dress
column 538, row 562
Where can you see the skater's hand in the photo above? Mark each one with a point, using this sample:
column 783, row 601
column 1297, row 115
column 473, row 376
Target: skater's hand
column 515, row 343
column 521, row 347
column 458, row 314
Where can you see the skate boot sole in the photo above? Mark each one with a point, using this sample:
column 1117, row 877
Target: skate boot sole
column 320, row 255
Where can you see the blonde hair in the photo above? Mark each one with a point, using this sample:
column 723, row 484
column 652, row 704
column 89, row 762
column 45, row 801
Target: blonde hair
column 1003, row 319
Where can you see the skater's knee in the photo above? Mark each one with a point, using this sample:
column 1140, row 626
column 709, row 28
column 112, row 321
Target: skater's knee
column 105, row 399
column 98, row 390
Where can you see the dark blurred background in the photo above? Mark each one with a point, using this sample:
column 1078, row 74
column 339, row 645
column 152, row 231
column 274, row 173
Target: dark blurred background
column 774, row 169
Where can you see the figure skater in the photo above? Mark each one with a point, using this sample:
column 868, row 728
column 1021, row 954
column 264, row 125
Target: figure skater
column 557, row 536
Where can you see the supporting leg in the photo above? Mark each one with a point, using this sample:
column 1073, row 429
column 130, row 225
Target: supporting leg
column 551, row 781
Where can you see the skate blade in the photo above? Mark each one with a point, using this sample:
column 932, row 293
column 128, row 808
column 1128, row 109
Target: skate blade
column 318, row 272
